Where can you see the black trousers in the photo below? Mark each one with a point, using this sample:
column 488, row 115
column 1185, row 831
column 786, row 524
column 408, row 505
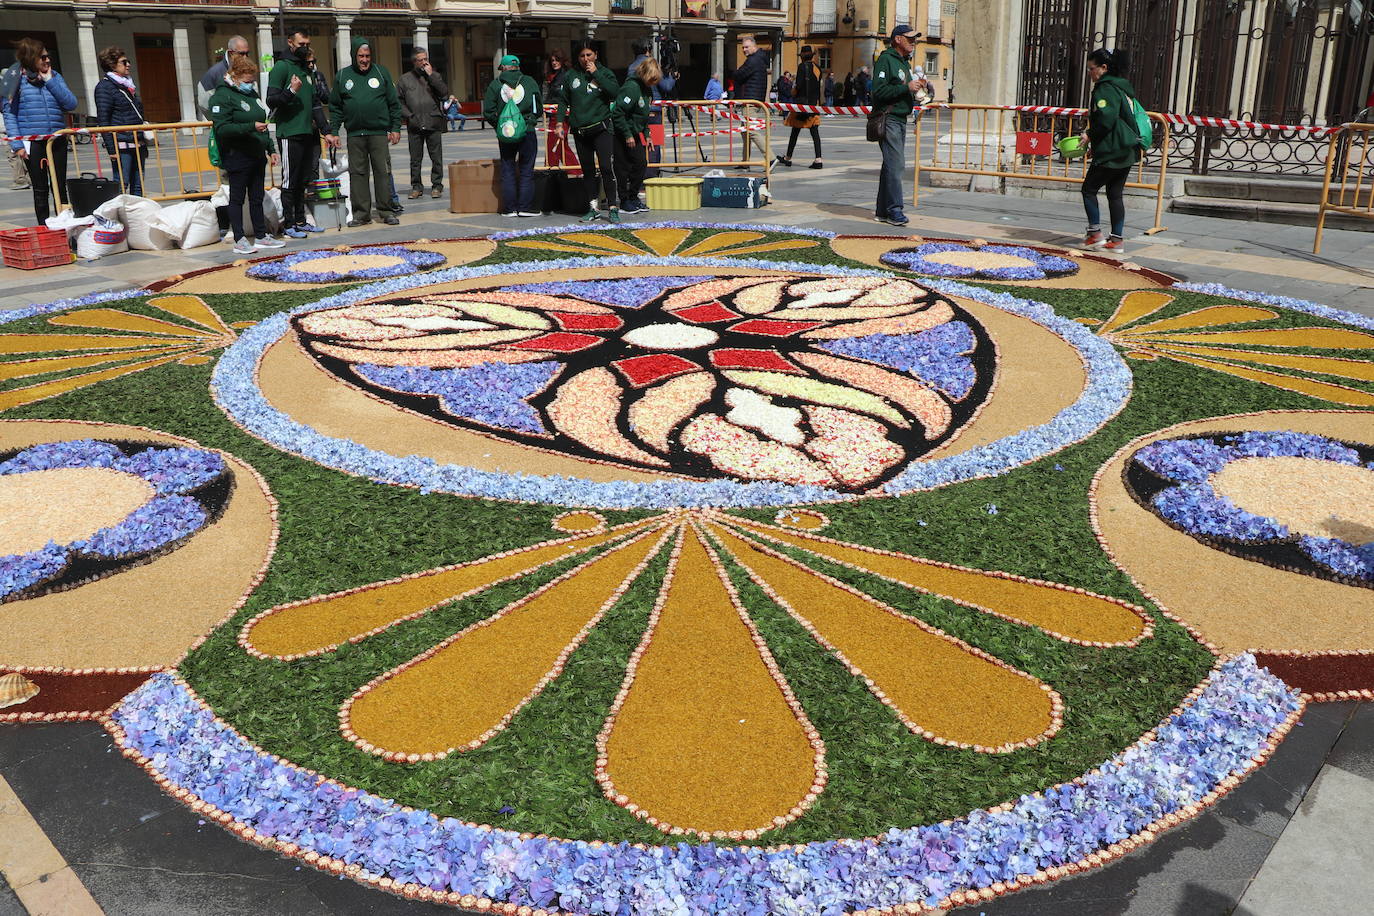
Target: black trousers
column 1114, row 180
column 247, row 182
column 631, row 164
column 297, row 170
column 38, row 175
column 596, row 152
column 815, row 140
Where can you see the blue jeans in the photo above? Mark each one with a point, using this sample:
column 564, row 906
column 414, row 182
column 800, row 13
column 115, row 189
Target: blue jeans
column 893, row 146
column 130, row 168
column 1114, row 180
column 517, row 174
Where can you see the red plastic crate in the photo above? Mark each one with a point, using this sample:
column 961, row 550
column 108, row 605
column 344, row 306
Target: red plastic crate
column 33, row 247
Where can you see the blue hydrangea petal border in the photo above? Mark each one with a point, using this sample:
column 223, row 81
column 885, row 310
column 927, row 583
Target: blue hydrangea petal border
column 283, row 270
column 235, row 389
column 1227, row 727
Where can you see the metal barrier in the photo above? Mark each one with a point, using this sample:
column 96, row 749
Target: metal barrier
column 176, row 166
column 1019, row 142
column 705, row 134
column 1349, row 184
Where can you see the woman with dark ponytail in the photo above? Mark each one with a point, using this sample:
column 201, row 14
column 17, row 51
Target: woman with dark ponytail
column 1113, row 145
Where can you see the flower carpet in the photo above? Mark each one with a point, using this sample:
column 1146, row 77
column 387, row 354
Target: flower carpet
column 688, row 568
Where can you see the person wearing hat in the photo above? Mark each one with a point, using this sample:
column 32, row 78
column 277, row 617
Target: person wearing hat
column 364, row 102
column 895, row 82
column 517, row 156
column 808, row 92
column 422, row 94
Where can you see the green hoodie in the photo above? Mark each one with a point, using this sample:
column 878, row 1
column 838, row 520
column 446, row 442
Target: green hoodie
column 633, row 105
column 291, row 110
column 1111, row 124
column 529, row 101
column 891, row 74
column 589, row 98
column 364, row 101
column 235, row 115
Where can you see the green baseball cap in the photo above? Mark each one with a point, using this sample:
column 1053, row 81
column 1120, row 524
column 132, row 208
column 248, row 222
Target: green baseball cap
column 510, row 60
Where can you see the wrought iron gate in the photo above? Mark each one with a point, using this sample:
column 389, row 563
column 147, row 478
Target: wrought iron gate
column 1296, row 62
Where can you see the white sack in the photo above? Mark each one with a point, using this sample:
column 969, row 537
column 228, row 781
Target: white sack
column 103, row 237
column 189, row 224
column 136, row 213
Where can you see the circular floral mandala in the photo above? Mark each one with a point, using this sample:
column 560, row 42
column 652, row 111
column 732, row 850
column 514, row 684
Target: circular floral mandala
column 330, row 266
column 987, row 262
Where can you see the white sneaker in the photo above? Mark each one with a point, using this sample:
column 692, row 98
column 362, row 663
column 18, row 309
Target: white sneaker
column 509, row 214
column 527, row 213
column 244, row 246
column 268, row 242
column 228, row 236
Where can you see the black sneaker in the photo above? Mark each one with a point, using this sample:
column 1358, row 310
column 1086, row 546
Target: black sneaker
column 355, row 223
column 390, row 219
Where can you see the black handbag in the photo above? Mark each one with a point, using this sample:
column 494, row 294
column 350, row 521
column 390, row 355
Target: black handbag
column 877, row 124
column 90, row 191
column 569, row 194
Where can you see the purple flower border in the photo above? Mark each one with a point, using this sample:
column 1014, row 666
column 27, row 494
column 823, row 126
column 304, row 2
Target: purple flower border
column 283, row 270
column 1042, row 267
column 1195, row 507
column 1224, row 730
column 168, row 517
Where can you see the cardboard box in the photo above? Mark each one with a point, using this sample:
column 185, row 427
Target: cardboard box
column 740, row 191
column 474, row 186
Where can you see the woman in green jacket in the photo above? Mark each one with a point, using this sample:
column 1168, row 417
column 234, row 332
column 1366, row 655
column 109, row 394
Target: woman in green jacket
column 584, row 106
column 240, row 126
column 1113, row 145
column 633, row 105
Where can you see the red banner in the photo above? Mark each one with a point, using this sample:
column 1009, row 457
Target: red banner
column 1030, row 143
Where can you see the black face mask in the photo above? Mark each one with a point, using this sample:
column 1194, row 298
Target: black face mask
column 302, row 52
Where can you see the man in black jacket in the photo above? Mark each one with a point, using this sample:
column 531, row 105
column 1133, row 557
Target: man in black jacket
column 422, row 93
column 751, row 82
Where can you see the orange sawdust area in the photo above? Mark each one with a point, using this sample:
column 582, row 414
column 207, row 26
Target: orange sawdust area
column 233, row 278
column 148, row 615
column 1058, row 611
column 1239, row 604
column 324, row 623
column 477, row 681
column 705, row 739
column 1092, row 273
column 937, row 683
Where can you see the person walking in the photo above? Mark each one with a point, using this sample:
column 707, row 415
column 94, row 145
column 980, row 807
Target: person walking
column 1113, row 144
column 364, row 102
column 291, row 98
column 39, row 105
column 422, row 93
column 584, row 107
column 863, row 86
column 517, row 156
column 751, row 82
column 808, row 93
column 895, row 82
column 117, row 102
column 829, row 87
column 245, row 147
column 847, row 93
column 633, row 106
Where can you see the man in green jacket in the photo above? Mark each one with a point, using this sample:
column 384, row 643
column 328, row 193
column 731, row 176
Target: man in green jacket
column 895, row 81
column 291, row 97
column 364, row 101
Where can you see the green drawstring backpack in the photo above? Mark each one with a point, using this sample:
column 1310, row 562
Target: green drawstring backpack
column 510, row 125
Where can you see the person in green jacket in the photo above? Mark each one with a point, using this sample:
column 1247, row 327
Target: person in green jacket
column 1113, row 145
column 291, row 96
column 364, row 101
column 630, row 114
column 895, row 81
column 584, row 105
column 518, row 156
column 240, row 124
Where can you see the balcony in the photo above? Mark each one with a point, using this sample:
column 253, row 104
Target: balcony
column 582, row 9
column 190, row 2
column 697, row 9
column 760, row 12
column 309, row 4
column 627, row 7
column 386, row 4
column 823, row 22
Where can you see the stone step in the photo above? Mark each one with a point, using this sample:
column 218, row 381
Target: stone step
column 1266, row 211
column 1278, row 190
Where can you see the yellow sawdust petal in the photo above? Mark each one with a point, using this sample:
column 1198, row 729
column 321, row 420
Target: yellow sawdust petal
column 1203, row 318
column 60, row 343
column 1360, row 369
column 780, row 245
column 1338, row 394
column 598, row 241
column 29, row 367
column 330, row 621
column 662, row 241
column 195, row 309
column 475, row 682
column 1058, row 610
column 936, row 682
column 705, row 739
column 721, row 240
column 116, row 320
column 18, row 397
column 1133, row 307
column 1316, row 338
column 555, row 246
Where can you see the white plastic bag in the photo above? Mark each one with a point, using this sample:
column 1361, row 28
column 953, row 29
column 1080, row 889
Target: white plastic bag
column 136, row 213
column 271, row 208
column 103, row 237
column 69, row 221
